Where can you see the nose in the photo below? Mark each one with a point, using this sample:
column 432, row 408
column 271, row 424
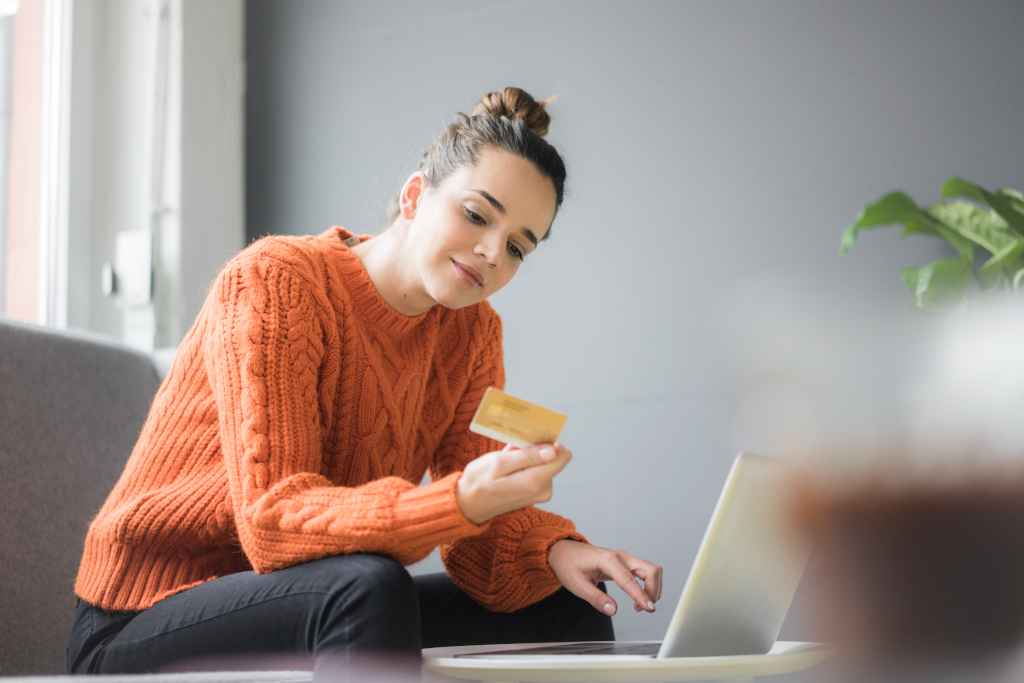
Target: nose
column 492, row 247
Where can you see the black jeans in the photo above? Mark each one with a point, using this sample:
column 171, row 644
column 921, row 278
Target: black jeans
column 327, row 613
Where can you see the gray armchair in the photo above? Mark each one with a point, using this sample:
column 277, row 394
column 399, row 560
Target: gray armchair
column 71, row 408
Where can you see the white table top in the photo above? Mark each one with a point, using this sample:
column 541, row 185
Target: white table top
column 785, row 657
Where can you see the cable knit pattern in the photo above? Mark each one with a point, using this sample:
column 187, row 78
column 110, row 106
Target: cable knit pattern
column 509, row 559
column 297, row 422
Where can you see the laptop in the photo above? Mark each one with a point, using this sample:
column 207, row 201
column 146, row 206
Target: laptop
column 740, row 586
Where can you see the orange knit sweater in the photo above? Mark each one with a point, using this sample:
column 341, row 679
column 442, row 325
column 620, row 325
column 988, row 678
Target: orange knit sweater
column 297, row 422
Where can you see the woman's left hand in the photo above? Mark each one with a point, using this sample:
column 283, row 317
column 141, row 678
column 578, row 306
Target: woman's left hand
column 580, row 566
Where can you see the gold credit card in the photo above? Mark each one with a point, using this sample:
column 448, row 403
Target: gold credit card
column 511, row 420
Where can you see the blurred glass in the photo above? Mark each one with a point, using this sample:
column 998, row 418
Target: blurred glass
column 922, row 540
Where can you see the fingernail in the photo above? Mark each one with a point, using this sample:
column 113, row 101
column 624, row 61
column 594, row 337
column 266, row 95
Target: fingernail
column 609, row 608
column 636, row 608
column 547, row 453
column 650, row 605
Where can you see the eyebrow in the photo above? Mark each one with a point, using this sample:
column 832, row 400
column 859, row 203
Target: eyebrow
column 527, row 233
column 494, row 202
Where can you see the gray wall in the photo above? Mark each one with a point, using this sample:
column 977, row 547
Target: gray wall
column 690, row 303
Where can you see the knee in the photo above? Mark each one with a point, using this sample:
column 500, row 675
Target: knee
column 381, row 574
column 376, row 579
column 372, row 607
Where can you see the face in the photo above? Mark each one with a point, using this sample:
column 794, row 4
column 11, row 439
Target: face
column 469, row 235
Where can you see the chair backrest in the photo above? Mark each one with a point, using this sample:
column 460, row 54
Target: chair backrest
column 71, row 408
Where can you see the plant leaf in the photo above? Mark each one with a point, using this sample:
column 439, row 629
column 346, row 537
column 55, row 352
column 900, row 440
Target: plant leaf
column 1017, row 278
column 918, row 228
column 958, row 187
column 981, row 226
column 1014, row 197
column 939, row 286
column 897, row 207
column 1006, row 260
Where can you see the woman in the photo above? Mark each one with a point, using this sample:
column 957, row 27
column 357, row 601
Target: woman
column 273, row 496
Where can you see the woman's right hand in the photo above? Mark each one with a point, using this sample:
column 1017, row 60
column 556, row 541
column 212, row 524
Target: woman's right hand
column 507, row 480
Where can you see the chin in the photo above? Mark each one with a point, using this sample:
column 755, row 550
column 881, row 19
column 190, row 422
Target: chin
column 455, row 303
column 455, row 299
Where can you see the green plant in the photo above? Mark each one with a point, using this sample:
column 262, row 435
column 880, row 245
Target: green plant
column 989, row 222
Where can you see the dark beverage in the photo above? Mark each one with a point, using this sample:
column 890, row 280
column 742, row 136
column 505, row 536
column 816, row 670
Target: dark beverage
column 919, row 572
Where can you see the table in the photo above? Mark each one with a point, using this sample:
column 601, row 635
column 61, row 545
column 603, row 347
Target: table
column 785, row 657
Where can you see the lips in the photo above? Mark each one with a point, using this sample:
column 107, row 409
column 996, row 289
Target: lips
column 470, row 275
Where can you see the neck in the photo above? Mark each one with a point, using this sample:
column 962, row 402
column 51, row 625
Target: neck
column 393, row 272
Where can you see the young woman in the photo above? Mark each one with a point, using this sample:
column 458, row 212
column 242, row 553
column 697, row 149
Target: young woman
column 273, row 496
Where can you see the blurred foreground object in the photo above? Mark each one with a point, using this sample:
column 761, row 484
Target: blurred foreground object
column 992, row 222
column 283, row 667
column 922, row 541
column 920, row 573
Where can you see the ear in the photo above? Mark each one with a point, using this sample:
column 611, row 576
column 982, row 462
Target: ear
column 412, row 193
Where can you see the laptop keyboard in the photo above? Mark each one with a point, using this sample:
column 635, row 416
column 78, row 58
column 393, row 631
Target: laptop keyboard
column 649, row 649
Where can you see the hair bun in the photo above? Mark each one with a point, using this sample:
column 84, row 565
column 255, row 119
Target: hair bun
column 516, row 103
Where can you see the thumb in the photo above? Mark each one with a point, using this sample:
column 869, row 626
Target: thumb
column 520, row 459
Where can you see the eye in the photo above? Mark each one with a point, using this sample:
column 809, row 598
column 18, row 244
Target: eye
column 474, row 216
column 515, row 251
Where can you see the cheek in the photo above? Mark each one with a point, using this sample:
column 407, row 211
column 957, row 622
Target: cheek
column 448, row 234
column 506, row 277
column 435, row 243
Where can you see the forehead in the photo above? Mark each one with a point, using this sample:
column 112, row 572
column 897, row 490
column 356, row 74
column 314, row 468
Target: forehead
column 526, row 194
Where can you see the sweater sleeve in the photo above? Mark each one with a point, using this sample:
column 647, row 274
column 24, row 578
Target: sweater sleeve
column 505, row 568
column 264, row 362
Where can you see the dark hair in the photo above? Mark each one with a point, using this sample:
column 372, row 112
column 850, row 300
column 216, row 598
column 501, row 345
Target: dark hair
column 510, row 120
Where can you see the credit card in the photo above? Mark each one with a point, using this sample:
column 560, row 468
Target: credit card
column 512, row 420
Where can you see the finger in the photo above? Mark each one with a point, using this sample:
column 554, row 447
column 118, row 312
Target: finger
column 522, row 458
column 649, row 572
column 509, row 447
column 625, row 580
column 581, row 587
column 539, row 477
column 558, row 463
column 531, row 485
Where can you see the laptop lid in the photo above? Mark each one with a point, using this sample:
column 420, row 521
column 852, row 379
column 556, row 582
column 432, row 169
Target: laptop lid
column 746, row 571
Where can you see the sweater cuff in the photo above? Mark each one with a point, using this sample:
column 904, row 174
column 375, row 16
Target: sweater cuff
column 430, row 514
column 533, row 551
